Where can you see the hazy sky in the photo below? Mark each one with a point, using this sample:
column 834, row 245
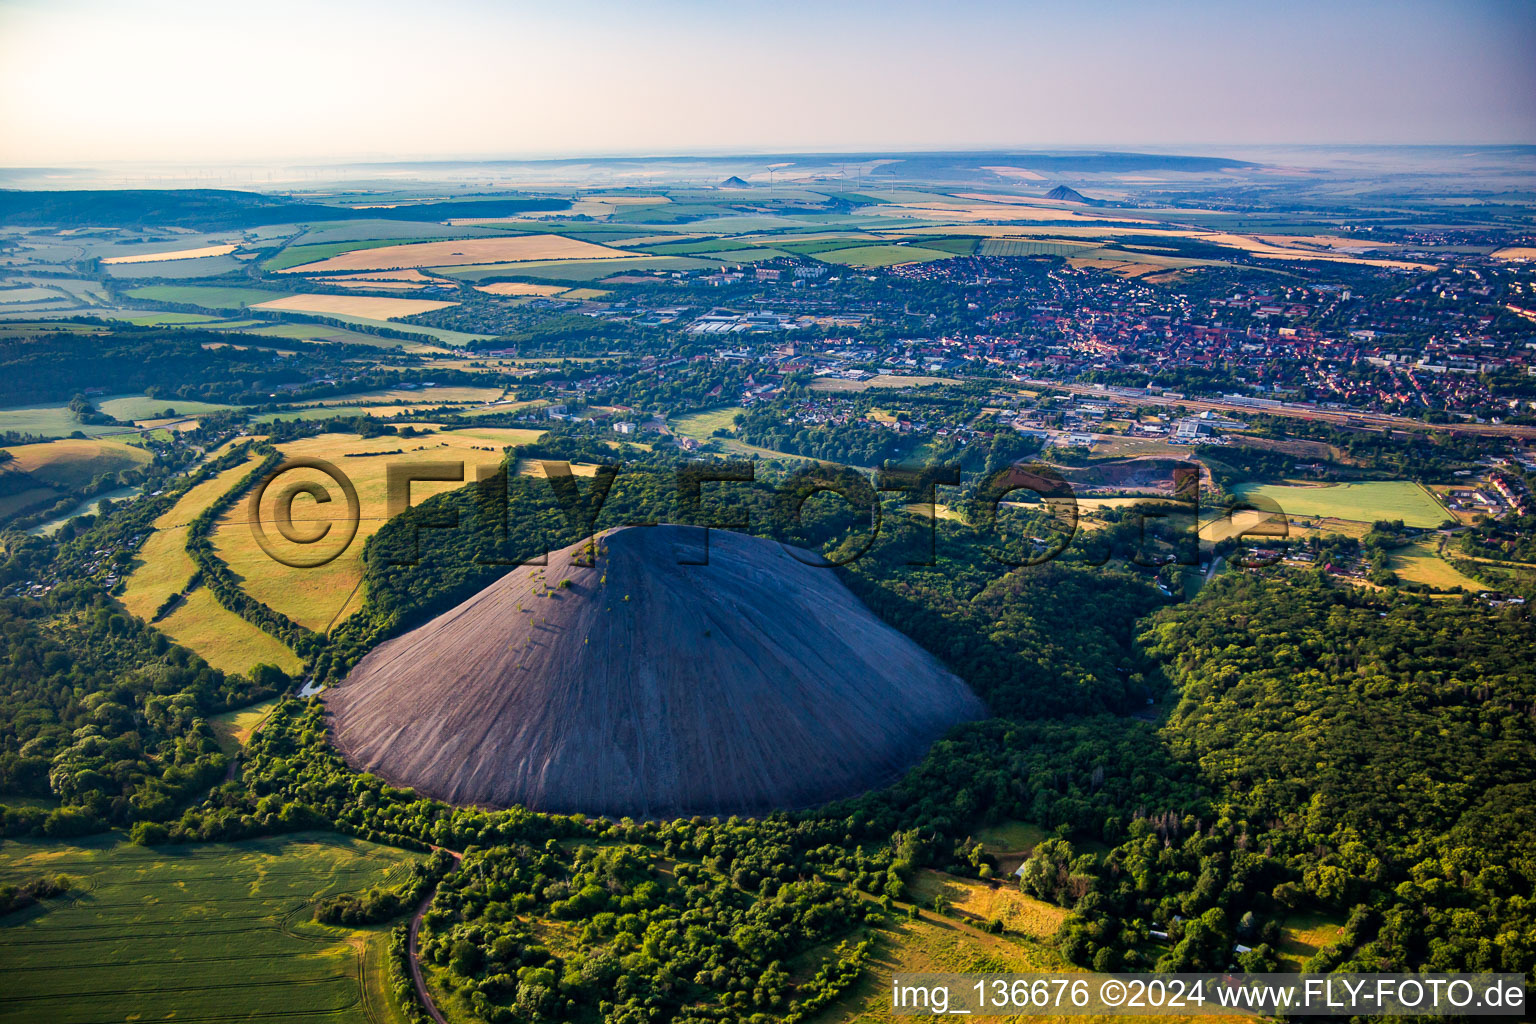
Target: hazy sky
column 88, row 82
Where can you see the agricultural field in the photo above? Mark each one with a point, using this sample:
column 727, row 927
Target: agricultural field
column 701, row 426
column 162, row 569
column 298, row 255
column 368, row 306
column 520, row 288
column 207, row 932
column 133, row 408
column 320, row 597
column 70, row 464
column 460, row 252
column 941, row 944
column 882, row 255
column 175, row 254
column 879, row 380
column 209, row 296
column 1364, row 502
column 1420, row 562
column 51, row 420
column 579, row 270
column 327, row 332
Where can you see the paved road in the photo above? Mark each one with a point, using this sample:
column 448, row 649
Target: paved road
column 415, row 951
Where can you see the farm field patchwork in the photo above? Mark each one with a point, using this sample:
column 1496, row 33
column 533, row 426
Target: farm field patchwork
column 207, row 932
column 1362, row 502
column 461, row 252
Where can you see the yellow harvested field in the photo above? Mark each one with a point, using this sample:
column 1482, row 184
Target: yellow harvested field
column 71, row 463
column 372, row 307
column 462, row 252
column 981, row 903
column 320, row 597
column 162, row 568
column 975, row 211
column 1246, row 243
column 1516, row 252
column 386, row 275
column 535, row 467
column 222, row 638
column 382, row 286
column 1113, row 266
column 1325, row 241
column 1258, row 247
column 179, row 254
column 520, row 288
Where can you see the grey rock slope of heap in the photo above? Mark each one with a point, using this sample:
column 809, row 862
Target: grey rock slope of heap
column 646, row 687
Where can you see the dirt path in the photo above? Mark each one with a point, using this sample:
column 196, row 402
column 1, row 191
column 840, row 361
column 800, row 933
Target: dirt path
column 414, row 949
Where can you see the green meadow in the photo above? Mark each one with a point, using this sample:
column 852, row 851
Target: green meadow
column 1364, row 502
column 211, row 932
column 883, row 255
column 207, row 296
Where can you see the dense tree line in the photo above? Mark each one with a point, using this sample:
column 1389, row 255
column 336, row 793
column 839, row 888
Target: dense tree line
column 20, row 897
column 222, row 582
column 104, row 715
column 1367, row 754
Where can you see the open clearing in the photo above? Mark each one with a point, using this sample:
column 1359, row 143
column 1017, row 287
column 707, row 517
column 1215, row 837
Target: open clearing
column 178, row 254
column 235, row 728
column 462, row 252
column 319, row 598
column 979, row 903
column 1419, row 562
column 369, row 306
column 1303, row 935
column 210, row 932
column 701, row 426
column 1361, row 502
